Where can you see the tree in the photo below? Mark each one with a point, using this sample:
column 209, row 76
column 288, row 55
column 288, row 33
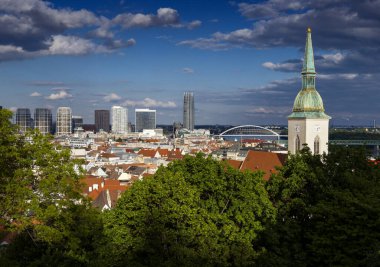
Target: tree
column 40, row 196
column 328, row 211
column 195, row 212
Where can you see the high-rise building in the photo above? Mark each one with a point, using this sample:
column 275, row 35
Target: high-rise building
column 43, row 120
column 77, row 123
column 24, row 119
column 119, row 119
column 188, row 110
column 64, row 121
column 145, row 119
column 308, row 124
column 102, row 120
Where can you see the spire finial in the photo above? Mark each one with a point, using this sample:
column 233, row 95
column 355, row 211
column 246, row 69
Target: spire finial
column 308, row 29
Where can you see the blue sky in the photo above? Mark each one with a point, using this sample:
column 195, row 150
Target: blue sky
column 242, row 59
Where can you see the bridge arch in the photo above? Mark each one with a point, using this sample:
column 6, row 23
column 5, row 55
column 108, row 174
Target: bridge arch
column 250, row 130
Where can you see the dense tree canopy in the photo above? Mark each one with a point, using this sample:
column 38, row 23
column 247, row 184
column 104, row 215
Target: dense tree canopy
column 328, row 211
column 316, row 211
column 195, row 212
column 41, row 200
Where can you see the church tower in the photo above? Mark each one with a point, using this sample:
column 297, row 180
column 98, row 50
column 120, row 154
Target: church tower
column 308, row 123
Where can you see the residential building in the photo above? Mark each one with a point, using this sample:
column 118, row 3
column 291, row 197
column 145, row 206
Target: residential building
column 188, row 110
column 308, row 124
column 64, row 121
column 119, row 119
column 102, row 120
column 43, row 120
column 145, row 119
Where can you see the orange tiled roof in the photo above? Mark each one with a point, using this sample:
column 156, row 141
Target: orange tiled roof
column 163, row 152
column 147, row 152
column 236, row 164
column 264, row 161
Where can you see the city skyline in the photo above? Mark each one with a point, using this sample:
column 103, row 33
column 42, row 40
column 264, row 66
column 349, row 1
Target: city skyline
column 240, row 58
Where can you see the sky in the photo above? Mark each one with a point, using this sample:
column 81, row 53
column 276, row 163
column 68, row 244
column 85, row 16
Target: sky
column 242, row 59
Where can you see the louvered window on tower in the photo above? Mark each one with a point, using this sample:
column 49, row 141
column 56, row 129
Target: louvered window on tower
column 316, row 145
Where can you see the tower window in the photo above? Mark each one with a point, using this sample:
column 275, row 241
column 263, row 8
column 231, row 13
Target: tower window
column 316, row 145
column 298, row 143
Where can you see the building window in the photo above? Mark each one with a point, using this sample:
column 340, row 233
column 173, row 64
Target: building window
column 316, row 145
column 298, row 143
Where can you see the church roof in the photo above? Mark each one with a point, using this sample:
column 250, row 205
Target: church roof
column 308, row 103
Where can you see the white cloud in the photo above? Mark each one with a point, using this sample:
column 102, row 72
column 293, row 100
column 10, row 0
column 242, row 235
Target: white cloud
column 10, row 49
column 194, row 24
column 336, row 58
column 164, row 17
column 288, row 66
column 34, row 28
column 35, row 94
column 344, row 76
column 206, row 44
column 268, row 110
column 60, row 95
column 72, row 45
column 103, row 32
column 66, row 17
column 149, row 102
column 188, row 70
column 111, row 97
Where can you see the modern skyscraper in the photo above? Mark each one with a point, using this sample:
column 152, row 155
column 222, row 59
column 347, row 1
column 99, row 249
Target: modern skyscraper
column 102, row 120
column 145, row 119
column 188, row 111
column 77, row 122
column 24, row 119
column 119, row 119
column 64, row 121
column 43, row 120
column 308, row 123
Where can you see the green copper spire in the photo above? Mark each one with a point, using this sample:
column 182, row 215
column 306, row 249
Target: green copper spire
column 308, row 63
column 308, row 103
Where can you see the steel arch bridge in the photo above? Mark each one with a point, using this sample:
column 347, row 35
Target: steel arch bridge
column 250, row 131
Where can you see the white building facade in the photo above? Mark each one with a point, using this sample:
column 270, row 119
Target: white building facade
column 119, row 119
column 64, row 121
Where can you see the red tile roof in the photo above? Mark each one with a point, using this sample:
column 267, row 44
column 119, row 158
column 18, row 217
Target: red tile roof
column 163, row 152
column 175, row 154
column 264, row 161
column 108, row 185
column 147, row 152
column 236, row 164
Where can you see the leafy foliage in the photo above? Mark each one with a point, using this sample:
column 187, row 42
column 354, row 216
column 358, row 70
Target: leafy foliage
column 328, row 211
column 194, row 212
column 41, row 200
column 316, row 211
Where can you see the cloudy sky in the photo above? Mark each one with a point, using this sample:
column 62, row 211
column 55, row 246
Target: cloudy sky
column 242, row 59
